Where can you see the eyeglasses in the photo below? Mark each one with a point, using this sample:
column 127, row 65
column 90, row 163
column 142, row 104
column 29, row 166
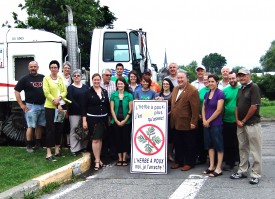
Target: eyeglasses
column 108, row 75
column 241, row 75
column 76, row 75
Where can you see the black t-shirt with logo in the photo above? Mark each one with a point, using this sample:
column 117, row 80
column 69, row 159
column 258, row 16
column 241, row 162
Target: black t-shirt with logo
column 33, row 88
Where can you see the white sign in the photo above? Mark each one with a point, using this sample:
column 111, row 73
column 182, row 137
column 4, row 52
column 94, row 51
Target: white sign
column 149, row 137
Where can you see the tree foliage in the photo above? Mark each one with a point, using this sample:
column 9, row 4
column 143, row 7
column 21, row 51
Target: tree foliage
column 191, row 70
column 51, row 16
column 266, row 84
column 268, row 60
column 214, row 62
column 236, row 69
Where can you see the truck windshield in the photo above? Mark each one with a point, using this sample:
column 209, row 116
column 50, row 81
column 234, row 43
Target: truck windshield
column 115, row 47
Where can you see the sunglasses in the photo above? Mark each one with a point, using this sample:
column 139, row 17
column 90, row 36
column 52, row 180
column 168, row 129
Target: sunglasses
column 76, row 75
column 108, row 75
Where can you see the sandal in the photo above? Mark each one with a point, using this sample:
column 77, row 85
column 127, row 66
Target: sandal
column 208, row 171
column 215, row 174
column 101, row 164
column 51, row 158
column 124, row 163
column 96, row 168
column 59, row 155
column 119, row 163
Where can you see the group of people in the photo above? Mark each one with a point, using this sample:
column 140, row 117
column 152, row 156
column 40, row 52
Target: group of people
column 207, row 117
column 220, row 117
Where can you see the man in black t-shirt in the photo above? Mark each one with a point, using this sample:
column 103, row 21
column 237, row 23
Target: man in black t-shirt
column 248, row 128
column 31, row 84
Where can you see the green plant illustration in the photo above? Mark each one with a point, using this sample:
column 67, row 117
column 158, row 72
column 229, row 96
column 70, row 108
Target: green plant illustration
column 151, row 134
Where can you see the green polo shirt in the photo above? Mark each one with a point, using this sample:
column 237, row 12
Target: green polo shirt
column 128, row 97
column 202, row 94
column 230, row 99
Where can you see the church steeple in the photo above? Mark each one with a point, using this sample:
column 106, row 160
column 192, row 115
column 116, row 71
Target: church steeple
column 165, row 64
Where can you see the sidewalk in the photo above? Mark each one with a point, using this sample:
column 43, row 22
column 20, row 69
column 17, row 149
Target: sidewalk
column 61, row 175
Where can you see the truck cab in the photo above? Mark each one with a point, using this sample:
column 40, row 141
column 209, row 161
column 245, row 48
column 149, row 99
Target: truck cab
column 111, row 46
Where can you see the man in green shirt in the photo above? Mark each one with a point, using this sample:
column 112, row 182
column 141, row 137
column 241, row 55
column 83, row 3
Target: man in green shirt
column 119, row 73
column 229, row 123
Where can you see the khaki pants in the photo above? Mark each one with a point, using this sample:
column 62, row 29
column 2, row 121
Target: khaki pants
column 250, row 141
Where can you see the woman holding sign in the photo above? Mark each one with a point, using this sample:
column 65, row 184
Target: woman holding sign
column 121, row 102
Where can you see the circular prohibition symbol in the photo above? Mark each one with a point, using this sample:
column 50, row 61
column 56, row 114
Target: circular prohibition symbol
column 150, row 141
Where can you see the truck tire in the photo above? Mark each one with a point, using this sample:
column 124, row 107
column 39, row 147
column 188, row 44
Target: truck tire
column 15, row 127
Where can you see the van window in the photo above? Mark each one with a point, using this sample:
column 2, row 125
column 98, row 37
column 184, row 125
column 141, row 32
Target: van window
column 21, row 66
column 116, row 47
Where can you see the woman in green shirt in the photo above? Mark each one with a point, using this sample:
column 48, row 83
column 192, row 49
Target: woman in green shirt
column 121, row 102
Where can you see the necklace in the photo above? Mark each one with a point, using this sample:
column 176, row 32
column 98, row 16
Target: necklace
column 53, row 78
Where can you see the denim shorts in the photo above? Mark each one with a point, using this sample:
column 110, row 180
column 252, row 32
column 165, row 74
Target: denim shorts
column 213, row 138
column 35, row 116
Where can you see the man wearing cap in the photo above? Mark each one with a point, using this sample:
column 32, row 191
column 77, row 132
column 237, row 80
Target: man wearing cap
column 198, row 83
column 225, row 78
column 154, row 85
column 173, row 70
column 248, row 127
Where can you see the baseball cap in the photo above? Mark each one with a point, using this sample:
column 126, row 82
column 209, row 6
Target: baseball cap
column 244, row 71
column 201, row 67
column 147, row 70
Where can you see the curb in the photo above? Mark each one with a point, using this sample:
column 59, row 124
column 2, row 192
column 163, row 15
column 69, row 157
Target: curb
column 61, row 175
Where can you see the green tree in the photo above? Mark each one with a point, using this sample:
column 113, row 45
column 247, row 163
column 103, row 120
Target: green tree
column 237, row 68
column 51, row 16
column 257, row 70
column 268, row 60
column 214, row 62
column 191, row 70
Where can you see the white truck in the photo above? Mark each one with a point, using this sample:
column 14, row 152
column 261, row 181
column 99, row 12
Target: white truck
column 20, row 46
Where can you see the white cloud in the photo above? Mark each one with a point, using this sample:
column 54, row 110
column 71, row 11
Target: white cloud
column 190, row 29
column 240, row 30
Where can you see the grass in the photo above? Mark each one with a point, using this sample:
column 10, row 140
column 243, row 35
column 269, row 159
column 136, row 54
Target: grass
column 267, row 111
column 18, row 166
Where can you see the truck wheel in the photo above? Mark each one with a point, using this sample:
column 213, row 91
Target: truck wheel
column 15, row 128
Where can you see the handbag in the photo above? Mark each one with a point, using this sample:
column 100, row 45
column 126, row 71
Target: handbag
column 80, row 133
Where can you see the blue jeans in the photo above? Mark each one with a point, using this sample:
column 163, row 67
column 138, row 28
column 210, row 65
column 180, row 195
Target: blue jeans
column 35, row 116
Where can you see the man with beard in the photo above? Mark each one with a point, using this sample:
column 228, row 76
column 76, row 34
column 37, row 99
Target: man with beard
column 229, row 122
column 34, row 107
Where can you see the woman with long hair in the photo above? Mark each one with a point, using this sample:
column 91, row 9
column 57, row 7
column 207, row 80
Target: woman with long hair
column 95, row 115
column 121, row 110
column 212, row 122
column 165, row 93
